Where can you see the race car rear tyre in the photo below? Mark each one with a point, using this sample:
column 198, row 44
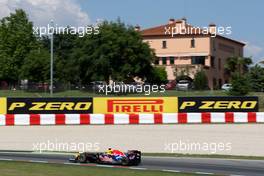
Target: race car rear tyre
column 125, row 162
column 137, row 163
column 82, row 158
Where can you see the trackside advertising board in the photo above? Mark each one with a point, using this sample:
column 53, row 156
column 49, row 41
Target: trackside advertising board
column 218, row 104
column 46, row 105
column 127, row 105
column 175, row 104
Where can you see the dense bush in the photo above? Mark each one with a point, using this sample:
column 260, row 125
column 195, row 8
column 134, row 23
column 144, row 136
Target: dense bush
column 200, row 80
column 240, row 84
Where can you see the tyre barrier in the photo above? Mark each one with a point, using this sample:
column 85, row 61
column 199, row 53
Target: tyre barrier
column 116, row 119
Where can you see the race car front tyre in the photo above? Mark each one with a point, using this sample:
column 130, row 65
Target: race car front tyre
column 125, row 162
column 82, row 158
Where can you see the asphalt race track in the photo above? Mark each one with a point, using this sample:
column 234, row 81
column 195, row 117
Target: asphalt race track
column 206, row 166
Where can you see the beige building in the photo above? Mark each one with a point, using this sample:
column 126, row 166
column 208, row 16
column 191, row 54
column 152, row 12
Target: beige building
column 184, row 49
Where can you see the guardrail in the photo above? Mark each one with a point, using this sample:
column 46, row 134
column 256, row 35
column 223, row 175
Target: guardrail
column 119, row 119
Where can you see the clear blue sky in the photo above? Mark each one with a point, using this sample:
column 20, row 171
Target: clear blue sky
column 244, row 16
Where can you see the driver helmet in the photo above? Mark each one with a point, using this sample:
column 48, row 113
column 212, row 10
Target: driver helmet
column 110, row 151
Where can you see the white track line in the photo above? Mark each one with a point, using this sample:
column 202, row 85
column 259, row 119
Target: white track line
column 167, row 170
column 204, row 173
column 138, row 168
column 100, row 165
column 37, row 161
column 77, row 164
column 6, row 159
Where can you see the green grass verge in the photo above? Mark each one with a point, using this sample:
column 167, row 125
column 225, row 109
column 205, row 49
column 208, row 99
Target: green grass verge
column 76, row 93
column 15, row 168
column 204, row 156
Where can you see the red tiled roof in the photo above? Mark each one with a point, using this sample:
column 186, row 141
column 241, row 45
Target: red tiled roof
column 161, row 31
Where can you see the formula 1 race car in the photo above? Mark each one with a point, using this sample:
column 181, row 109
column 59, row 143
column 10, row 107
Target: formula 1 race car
column 129, row 158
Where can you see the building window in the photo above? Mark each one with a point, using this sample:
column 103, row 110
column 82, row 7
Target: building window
column 164, row 44
column 214, row 48
column 212, row 61
column 156, row 62
column 171, row 60
column 164, row 60
column 198, row 60
column 240, row 52
column 219, row 63
column 192, row 43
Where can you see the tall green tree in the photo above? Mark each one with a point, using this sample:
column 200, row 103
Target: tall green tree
column 256, row 75
column 238, row 64
column 117, row 52
column 16, row 41
column 240, row 84
column 238, row 67
column 66, row 67
column 159, row 76
column 36, row 66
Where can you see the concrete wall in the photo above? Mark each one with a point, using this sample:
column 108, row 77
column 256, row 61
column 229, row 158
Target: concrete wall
column 231, row 139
